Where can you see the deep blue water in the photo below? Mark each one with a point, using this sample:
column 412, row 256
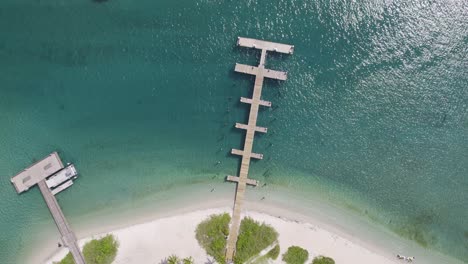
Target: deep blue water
column 142, row 97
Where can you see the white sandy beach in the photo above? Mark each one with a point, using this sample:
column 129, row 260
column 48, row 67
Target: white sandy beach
column 152, row 241
column 153, row 229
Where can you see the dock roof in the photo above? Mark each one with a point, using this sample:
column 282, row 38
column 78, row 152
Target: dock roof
column 37, row 172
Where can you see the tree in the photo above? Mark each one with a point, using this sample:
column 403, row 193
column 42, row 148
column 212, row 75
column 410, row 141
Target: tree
column 274, row 252
column 211, row 235
column 253, row 238
column 295, row 255
column 188, row 260
column 173, row 259
column 323, row 260
column 97, row 251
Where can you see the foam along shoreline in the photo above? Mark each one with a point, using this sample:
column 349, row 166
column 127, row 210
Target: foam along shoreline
column 152, row 241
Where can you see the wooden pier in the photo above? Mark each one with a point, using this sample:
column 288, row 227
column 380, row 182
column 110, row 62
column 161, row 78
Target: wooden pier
column 37, row 174
column 68, row 237
column 251, row 127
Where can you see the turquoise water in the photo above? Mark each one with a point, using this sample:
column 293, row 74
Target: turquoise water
column 142, row 97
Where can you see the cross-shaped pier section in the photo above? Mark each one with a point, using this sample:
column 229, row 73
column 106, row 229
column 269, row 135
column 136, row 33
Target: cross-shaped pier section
column 251, row 127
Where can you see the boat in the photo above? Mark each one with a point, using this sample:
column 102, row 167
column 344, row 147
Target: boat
column 66, row 174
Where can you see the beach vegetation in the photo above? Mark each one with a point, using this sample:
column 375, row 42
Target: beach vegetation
column 174, row 259
column 97, row 251
column 101, row 251
column 253, row 238
column 261, row 260
column 188, row 260
column 68, row 259
column 211, row 234
column 295, row 255
column 210, row 261
column 323, row 260
column 266, row 258
column 274, row 252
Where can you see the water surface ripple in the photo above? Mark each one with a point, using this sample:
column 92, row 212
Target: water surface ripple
column 142, row 97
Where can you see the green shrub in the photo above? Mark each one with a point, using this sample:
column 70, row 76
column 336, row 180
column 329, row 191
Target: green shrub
column 102, row 251
column 295, row 255
column 253, row 238
column 97, row 251
column 323, row 260
column 68, row 259
column 188, row 260
column 211, row 235
column 261, row 260
column 173, row 259
column 274, row 252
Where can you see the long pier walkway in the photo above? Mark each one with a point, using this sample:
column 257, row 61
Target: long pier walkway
column 37, row 174
column 68, row 237
column 242, row 180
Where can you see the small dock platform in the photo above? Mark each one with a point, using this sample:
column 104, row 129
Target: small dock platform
column 250, row 101
column 37, row 174
column 278, row 75
column 251, row 127
column 257, row 128
column 247, row 181
column 266, row 45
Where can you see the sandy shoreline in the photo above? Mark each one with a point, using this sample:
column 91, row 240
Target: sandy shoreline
column 152, row 241
column 149, row 232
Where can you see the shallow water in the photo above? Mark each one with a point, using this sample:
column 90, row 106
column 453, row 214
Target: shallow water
column 142, row 97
